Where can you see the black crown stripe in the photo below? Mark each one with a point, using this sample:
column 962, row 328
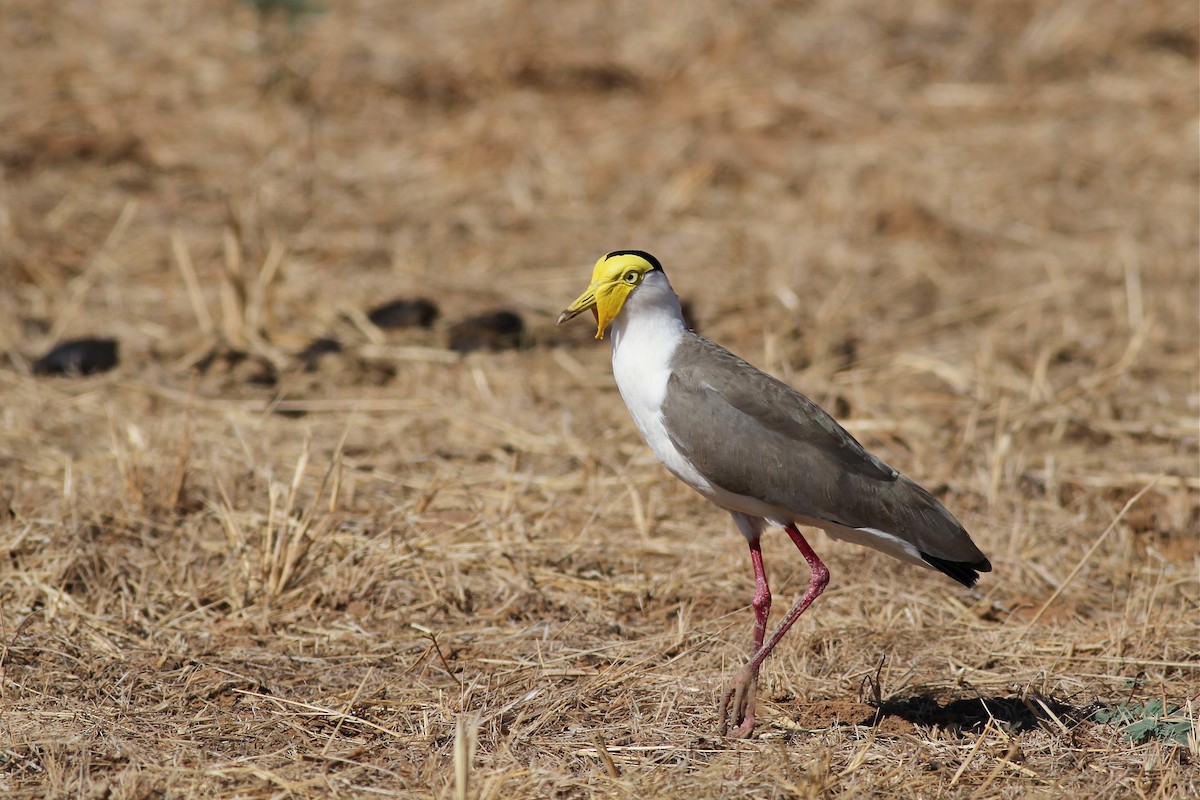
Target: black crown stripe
column 651, row 260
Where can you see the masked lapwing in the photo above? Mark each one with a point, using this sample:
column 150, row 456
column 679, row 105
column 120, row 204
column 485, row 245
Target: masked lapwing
column 758, row 449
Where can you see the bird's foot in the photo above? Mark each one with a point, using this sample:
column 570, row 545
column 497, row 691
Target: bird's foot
column 737, row 704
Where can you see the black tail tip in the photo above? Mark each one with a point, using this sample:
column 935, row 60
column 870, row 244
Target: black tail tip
column 965, row 572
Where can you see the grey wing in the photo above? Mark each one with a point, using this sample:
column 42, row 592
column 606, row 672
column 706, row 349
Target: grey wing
column 756, row 436
column 714, row 392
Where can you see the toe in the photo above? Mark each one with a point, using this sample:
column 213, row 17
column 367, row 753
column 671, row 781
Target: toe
column 744, row 730
column 737, row 706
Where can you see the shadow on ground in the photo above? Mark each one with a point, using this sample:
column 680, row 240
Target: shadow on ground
column 907, row 714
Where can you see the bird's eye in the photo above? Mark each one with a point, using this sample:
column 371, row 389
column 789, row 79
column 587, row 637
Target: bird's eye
column 631, row 278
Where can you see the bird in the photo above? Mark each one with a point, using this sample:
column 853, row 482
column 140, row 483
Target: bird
column 759, row 449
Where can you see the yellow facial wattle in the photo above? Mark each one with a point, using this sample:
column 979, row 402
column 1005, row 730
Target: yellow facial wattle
column 609, row 301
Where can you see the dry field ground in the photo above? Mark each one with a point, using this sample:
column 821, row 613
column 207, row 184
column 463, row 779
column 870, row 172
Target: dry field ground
column 968, row 228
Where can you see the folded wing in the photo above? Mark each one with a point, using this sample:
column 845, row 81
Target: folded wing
column 755, row 436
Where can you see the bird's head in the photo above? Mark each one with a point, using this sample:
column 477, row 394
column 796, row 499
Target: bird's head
column 614, row 277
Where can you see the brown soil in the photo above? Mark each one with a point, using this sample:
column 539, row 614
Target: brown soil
column 236, row 567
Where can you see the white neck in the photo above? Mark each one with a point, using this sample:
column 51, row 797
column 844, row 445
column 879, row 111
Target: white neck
column 650, row 318
column 644, row 337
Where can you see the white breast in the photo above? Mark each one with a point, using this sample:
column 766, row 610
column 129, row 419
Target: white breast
column 644, row 337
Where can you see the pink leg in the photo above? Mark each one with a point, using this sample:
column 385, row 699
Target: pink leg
column 739, row 697
column 762, row 596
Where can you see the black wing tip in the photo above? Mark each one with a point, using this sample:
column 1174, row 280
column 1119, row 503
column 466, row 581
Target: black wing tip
column 651, row 260
column 965, row 572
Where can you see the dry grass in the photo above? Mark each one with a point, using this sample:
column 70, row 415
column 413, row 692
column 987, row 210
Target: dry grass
column 969, row 227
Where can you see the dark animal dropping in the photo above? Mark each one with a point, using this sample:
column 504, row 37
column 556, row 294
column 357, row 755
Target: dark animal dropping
column 418, row 313
column 78, row 357
column 311, row 354
column 497, row 330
